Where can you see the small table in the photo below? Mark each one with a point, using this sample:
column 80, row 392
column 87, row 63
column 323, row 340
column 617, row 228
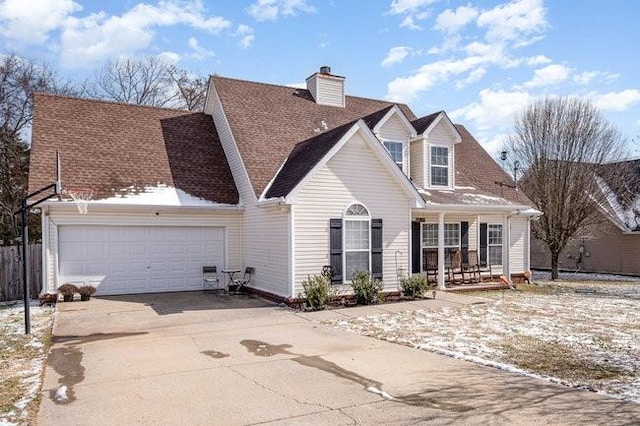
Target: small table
column 230, row 273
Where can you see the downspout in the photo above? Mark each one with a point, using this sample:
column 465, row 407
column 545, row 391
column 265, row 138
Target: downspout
column 441, row 251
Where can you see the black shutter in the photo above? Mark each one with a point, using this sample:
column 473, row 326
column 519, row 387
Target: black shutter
column 376, row 248
column 464, row 241
column 483, row 244
column 335, row 249
column 415, row 247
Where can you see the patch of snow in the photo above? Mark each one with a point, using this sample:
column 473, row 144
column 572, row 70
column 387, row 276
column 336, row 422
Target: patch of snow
column 425, row 192
column 603, row 329
column 465, row 187
column 160, row 195
column 61, row 394
column 380, row 392
column 481, row 199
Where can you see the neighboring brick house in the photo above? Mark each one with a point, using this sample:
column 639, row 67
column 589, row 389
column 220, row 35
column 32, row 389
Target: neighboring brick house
column 282, row 179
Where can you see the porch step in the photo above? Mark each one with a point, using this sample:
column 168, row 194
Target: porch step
column 492, row 285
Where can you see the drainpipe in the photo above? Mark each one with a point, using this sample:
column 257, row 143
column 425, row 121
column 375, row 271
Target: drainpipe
column 441, row 251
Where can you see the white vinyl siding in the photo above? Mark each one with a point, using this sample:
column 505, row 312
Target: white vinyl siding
column 266, row 248
column 266, row 232
column 326, row 90
column 439, row 136
column 417, row 165
column 325, row 197
column 519, row 251
column 394, row 129
column 133, row 216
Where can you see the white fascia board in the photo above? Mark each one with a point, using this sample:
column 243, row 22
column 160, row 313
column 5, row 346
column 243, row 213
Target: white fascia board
column 479, row 209
column 266, row 202
column 70, row 206
column 395, row 110
column 262, row 198
column 377, row 148
column 443, row 116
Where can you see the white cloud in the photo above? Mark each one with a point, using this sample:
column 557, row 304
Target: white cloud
column 473, row 77
column 245, row 35
column 618, row 101
column 396, row 55
column 538, row 60
column 199, row 52
column 169, row 57
column 451, row 21
column 28, row 22
column 495, row 109
column 408, row 22
column 405, row 89
column 399, row 7
column 587, row 77
column 518, row 21
column 269, row 10
column 549, row 75
column 98, row 36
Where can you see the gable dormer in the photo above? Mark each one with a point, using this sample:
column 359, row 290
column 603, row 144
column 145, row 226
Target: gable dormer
column 395, row 131
column 326, row 88
column 432, row 152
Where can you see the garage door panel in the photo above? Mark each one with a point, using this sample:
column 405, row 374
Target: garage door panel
column 128, row 259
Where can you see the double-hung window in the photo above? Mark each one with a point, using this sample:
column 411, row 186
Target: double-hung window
column 357, row 237
column 439, row 166
column 494, row 243
column 451, row 239
column 396, row 151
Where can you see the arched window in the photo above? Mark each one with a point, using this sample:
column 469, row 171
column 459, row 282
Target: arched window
column 357, row 240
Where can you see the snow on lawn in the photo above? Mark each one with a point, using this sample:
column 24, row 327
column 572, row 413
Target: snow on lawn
column 583, row 340
column 21, row 360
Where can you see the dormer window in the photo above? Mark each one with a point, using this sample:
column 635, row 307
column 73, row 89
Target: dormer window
column 439, row 166
column 396, row 151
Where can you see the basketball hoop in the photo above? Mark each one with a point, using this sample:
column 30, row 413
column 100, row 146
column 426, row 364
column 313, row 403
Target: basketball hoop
column 81, row 197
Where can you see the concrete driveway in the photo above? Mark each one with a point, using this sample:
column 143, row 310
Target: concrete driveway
column 198, row 359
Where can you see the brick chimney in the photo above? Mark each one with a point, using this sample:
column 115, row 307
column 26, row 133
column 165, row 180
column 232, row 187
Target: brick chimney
column 326, row 88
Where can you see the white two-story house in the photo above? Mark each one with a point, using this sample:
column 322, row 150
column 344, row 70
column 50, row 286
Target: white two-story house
column 281, row 179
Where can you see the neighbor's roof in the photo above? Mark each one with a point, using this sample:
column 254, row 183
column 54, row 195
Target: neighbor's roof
column 268, row 121
column 110, row 147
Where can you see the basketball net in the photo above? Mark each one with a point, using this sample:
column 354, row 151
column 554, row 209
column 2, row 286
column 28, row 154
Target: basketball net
column 81, row 197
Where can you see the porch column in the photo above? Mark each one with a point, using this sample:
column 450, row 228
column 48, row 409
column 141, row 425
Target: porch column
column 506, row 250
column 441, row 251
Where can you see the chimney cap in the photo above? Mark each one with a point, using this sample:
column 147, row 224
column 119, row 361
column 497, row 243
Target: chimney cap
column 325, row 69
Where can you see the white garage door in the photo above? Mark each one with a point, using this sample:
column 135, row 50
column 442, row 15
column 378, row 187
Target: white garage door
column 138, row 259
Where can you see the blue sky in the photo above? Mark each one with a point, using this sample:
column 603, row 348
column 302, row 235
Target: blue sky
column 481, row 61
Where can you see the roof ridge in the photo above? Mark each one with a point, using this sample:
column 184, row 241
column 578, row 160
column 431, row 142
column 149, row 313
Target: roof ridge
column 112, row 102
column 303, row 88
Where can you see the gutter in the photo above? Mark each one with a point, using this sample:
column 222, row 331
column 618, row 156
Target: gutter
column 64, row 206
column 474, row 208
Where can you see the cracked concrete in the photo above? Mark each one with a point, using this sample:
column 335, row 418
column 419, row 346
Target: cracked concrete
column 180, row 359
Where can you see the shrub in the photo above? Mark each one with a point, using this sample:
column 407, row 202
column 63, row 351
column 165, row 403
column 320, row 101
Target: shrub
column 414, row 286
column 368, row 290
column 318, row 291
column 67, row 289
column 87, row 289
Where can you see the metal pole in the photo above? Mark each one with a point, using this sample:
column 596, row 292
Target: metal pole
column 25, row 263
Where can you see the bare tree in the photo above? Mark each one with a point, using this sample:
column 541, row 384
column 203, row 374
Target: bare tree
column 19, row 79
column 136, row 81
column 190, row 89
column 561, row 144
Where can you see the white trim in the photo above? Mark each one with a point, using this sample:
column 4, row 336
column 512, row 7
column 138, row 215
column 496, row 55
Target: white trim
column 395, row 110
column 67, row 207
column 292, row 251
column 377, row 148
column 443, row 116
column 450, row 155
column 225, row 124
column 345, row 219
column 479, row 209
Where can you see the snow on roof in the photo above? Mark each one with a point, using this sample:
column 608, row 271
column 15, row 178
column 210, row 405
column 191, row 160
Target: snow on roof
column 160, row 195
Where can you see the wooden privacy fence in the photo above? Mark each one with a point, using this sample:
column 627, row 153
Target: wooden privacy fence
column 11, row 272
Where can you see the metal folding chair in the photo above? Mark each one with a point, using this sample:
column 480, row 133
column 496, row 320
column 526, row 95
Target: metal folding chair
column 246, row 278
column 210, row 279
